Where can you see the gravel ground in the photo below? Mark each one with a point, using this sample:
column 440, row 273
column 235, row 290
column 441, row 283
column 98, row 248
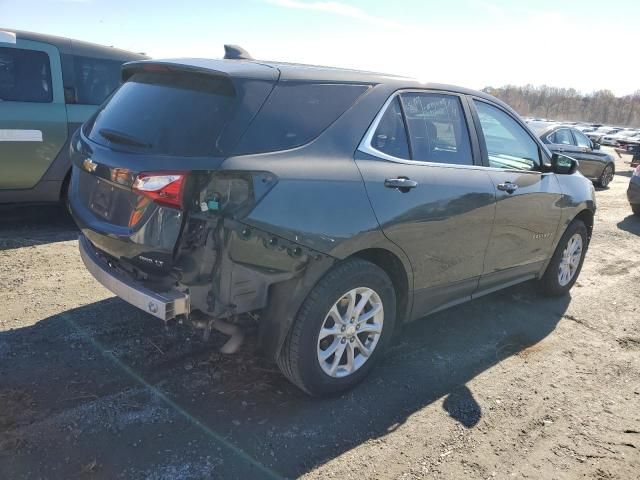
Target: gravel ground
column 508, row 386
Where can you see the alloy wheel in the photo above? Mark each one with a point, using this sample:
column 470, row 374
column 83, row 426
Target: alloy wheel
column 607, row 176
column 570, row 261
column 350, row 332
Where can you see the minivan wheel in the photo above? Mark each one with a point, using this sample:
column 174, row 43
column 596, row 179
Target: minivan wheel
column 566, row 263
column 606, row 176
column 341, row 329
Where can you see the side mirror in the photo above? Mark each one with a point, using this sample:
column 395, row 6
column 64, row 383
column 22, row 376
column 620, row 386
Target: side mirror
column 563, row 165
column 595, row 145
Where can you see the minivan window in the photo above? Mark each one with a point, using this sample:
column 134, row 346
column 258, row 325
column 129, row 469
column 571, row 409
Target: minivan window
column 437, row 128
column 295, row 113
column 390, row 136
column 25, row 76
column 95, row 79
column 508, row 144
column 166, row 113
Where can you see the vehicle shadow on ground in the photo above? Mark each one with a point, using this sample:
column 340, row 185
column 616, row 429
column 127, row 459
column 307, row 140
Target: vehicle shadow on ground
column 631, row 224
column 25, row 226
column 128, row 392
column 625, row 173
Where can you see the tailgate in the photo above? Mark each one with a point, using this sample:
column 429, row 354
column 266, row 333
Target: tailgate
column 137, row 162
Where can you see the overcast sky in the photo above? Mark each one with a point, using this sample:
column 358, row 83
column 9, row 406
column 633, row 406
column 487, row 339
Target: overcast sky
column 586, row 45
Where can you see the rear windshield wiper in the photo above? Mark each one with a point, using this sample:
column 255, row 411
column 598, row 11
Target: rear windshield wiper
column 122, row 138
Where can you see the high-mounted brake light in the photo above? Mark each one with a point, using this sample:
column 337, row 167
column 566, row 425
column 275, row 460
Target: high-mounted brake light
column 164, row 188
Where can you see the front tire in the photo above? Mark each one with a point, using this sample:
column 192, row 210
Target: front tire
column 566, row 263
column 606, row 176
column 341, row 330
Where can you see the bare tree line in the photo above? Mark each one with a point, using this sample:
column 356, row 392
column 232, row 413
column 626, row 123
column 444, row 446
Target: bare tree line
column 568, row 104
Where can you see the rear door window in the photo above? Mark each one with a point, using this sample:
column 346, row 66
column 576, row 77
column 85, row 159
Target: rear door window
column 95, row 78
column 25, row 76
column 296, row 113
column 437, row 128
column 390, row 136
column 182, row 114
column 562, row 137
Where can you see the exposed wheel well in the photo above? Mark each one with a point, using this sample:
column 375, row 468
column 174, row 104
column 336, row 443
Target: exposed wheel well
column 393, row 266
column 587, row 217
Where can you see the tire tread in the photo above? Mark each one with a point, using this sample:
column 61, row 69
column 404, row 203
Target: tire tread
column 291, row 353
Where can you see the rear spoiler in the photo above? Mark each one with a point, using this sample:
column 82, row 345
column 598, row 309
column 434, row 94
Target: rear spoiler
column 230, row 68
column 8, row 37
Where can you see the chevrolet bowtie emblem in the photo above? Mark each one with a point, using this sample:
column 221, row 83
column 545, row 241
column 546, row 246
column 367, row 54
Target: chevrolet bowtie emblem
column 89, row 165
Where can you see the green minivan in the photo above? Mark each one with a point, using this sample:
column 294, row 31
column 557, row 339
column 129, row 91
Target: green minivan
column 48, row 87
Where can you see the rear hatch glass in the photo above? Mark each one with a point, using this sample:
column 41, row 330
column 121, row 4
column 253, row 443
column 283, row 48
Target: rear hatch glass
column 167, row 113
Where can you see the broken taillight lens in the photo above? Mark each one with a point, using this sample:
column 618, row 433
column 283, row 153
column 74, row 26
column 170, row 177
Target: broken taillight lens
column 164, row 188
column 236, row 193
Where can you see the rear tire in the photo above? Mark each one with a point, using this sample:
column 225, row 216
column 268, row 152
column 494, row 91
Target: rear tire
column 329, row 321
column 635, row 209
column 566, row 263
column 606, row 176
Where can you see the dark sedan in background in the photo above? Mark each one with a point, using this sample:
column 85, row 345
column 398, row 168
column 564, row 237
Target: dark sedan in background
column 596, row 165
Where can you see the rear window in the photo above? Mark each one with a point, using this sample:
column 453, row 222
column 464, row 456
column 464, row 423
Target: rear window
column 167, row 114
column 25, row 76
column 296, row 113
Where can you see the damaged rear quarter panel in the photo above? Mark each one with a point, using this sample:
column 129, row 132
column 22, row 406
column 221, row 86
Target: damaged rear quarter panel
column 316, row 214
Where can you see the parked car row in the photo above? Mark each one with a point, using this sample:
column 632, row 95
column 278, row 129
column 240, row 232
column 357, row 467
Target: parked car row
column 602, row 134
column 596, row 165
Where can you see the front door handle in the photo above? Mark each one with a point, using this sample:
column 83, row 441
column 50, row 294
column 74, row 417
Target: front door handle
column 403, row 184
column 508, row 187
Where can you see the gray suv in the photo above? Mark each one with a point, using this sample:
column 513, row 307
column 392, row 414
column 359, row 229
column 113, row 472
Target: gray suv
column 329, row 205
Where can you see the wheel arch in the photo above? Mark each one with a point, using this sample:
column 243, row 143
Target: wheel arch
column 286, row 298
column 586, row 216
column 395, row 269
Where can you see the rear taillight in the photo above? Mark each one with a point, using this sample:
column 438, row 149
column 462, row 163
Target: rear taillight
column 164, row 188
column 636, row 172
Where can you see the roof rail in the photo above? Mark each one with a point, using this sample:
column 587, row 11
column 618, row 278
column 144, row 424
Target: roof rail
column 235, row 52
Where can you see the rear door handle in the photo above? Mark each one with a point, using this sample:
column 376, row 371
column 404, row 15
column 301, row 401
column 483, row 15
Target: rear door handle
column 403, row 184
column 508, row 187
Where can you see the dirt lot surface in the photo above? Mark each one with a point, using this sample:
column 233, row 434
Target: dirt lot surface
column 508, row 386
